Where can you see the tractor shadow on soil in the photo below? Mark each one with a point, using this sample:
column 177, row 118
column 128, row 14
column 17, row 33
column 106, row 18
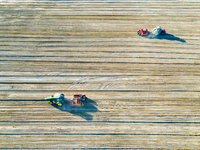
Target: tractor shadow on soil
column 167, row 36
column 80, row 111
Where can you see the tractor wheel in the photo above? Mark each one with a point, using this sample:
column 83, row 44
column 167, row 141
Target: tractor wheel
column 84, row 97
column 59, row 104
column 138, row 32
column 50, row 103
column 163, row 33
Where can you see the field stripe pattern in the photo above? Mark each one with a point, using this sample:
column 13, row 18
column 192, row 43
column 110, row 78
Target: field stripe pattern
column 143, row 92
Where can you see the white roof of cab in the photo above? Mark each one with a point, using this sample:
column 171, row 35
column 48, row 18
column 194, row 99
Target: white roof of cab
column 56, row 95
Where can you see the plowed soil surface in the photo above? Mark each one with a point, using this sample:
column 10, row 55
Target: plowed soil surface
column 143, row 92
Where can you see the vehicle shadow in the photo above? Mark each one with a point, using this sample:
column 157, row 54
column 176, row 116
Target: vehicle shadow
column 167, row 36
column 80, row 111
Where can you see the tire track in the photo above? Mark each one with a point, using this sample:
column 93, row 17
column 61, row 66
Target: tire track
column 99, row 62
column 38, row 56
column 42, row 37
column 105, row 91
column 102, row 85
column 134, row 75
column 109, row 122
column 96, row 46
column 103, row 51
column 100, row 134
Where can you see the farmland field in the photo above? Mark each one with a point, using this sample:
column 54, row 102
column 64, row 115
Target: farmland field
column 143, row 92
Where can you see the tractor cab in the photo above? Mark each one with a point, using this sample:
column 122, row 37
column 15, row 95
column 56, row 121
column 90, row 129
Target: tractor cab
column 144, row 31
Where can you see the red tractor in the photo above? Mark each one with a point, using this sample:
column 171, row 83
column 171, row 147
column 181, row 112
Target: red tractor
column 79, row 100
column 143, row 32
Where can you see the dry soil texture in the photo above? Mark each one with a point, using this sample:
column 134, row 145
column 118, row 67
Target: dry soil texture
column 144, row 92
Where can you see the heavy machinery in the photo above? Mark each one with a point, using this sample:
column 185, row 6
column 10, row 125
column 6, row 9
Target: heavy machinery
column 143, row 32
column 156, row 31
column 79, row 100
column 59, row 99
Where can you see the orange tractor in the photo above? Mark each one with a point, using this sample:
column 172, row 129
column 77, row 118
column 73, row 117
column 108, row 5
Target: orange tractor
column 79, row 100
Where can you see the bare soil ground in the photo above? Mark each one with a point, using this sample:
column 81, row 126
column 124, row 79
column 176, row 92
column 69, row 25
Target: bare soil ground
column 144, row 93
